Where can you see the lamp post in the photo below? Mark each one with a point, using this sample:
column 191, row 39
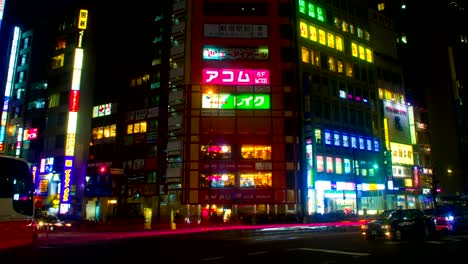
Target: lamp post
column 209, row 180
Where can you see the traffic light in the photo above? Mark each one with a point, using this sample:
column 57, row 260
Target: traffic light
column 137, row 194
column 102, row 170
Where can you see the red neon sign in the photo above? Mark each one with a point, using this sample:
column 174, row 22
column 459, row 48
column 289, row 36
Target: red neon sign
column 74, row 100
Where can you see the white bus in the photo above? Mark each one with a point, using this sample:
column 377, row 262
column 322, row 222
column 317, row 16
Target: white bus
column 17, row 225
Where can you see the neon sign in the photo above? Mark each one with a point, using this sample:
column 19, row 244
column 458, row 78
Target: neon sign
column 236, row 77
column 65, row 194
column 241, row 101
column 74, row 100
column 218, row 53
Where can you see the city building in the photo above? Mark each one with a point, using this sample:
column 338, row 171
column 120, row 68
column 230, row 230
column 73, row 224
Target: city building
column 434, row 80
column 228, row 110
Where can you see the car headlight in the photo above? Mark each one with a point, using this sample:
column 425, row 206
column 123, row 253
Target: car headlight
column 385, row 226
column 40, row 223
column 449, row 218
column 364, row 227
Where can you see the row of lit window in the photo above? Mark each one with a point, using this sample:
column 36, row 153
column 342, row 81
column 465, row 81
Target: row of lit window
column 391, row 95
column 104, row 132
column 336, row 65
column 139, row 127
column 316, row 12
column 224, row 152
column 229, row 180
column 347, row 27
column 321, row 36
column 362, row 52
column 340, row 165
column 339, row 139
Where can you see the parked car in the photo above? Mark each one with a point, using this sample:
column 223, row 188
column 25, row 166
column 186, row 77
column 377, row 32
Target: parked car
column 400, row 224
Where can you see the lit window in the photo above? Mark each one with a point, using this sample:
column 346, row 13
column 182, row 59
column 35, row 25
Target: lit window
column 331, row 64
column 256, row 152
column 305, row 55
column 130, row 129
column 338, row 166
column 347, row 166
column 322, row 38
column 215, row 152
column 318, row 136
column 331, row 40
column 320, row 165
column 328, row 137
column 340, row 66
column 339, row 43
column 344, row 26
column 57, row 61
column 404, row 40
column 360, row 34
column 362, row 53
column 354, row 49
column 315, row 57
column 54, row 100
column 303, row 29
column 329, row 164
column 218, row 180
column 337, row 22
column 369, row 55
column 256, row 180
column 349, row 69
column 345, row 140
column 313, row 33
column 381, row 6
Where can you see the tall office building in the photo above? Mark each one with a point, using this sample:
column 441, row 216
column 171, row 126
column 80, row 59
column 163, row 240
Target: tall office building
column 433, row 74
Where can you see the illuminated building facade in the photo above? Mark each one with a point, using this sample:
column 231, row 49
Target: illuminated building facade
column 243, row 137
column 342, row 132
column 228, row 138
column 23, row 118
column 241, row 131
column 66, row 137
column 439, row 89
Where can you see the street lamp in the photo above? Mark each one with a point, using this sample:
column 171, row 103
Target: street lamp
column 209, row 179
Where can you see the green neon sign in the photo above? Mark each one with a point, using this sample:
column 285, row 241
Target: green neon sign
column 241, row 101
column 311, row 10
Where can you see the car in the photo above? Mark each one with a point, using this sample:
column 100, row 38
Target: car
column 51, row 223
column 450, row 218
column 444, row 219
column 399, row 224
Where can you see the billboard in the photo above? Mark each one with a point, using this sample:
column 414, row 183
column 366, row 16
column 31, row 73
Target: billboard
column 398, row 122
column 247, row 101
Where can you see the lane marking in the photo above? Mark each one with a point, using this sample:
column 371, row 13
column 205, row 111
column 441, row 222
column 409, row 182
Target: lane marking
column 435, row 242
column 257, row 253
column 335, row 251
column 213, row 258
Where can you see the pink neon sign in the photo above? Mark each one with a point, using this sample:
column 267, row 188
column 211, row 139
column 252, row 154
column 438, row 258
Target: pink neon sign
column 238, row 77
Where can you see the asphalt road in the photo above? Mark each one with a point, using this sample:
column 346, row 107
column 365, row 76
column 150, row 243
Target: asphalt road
column 317, row 245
